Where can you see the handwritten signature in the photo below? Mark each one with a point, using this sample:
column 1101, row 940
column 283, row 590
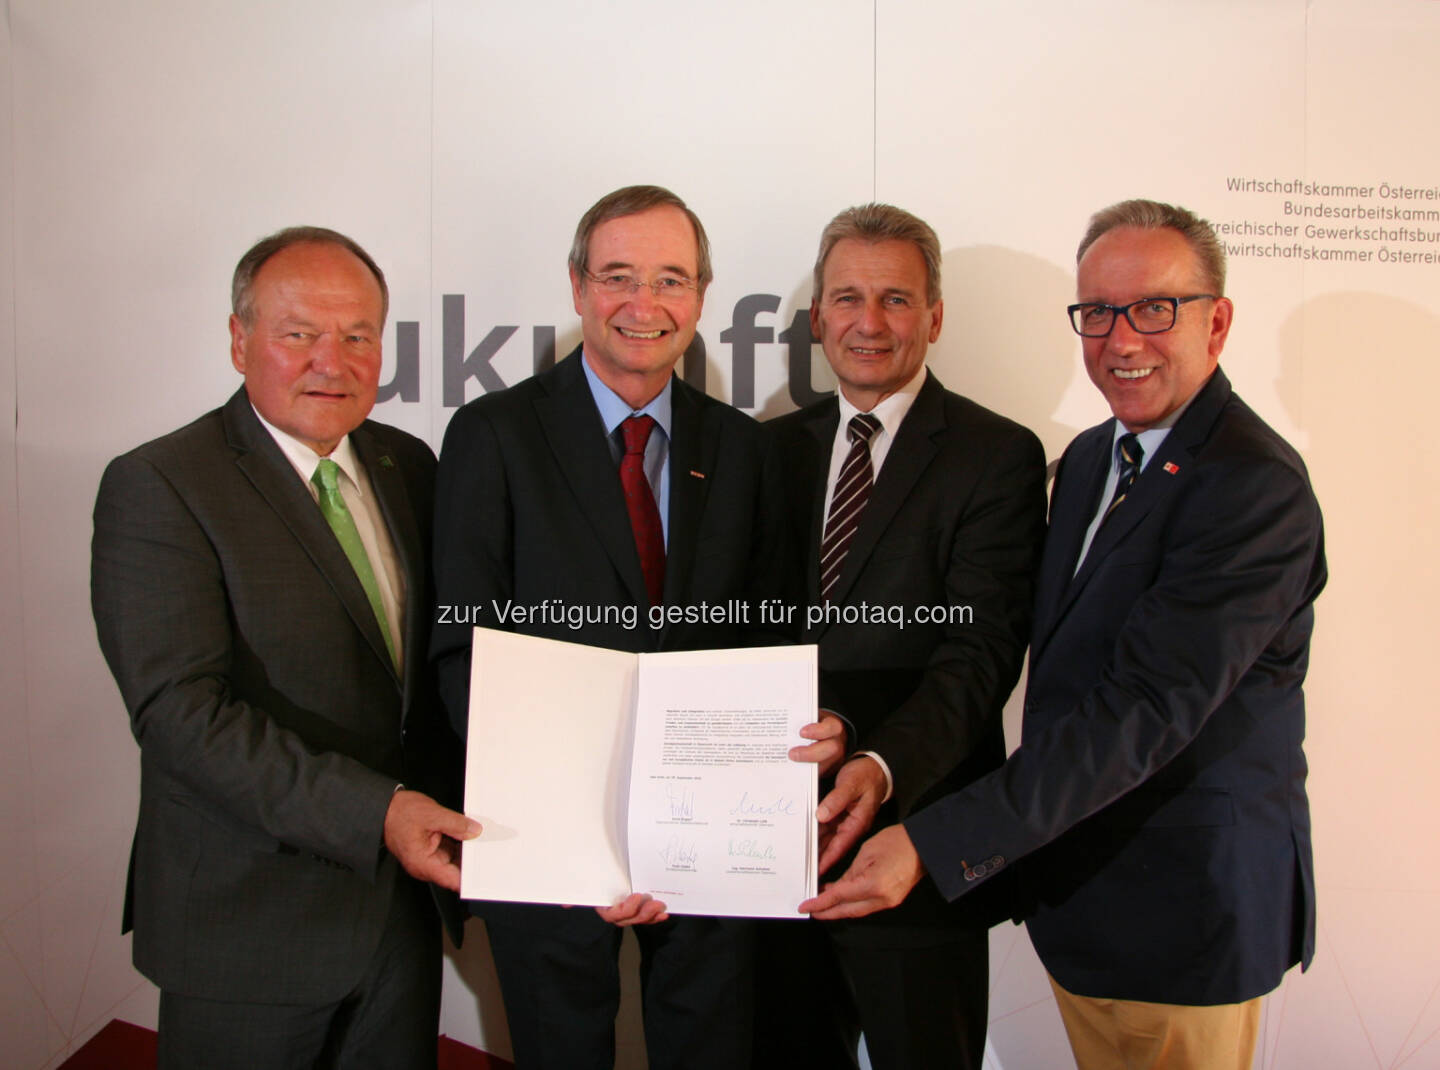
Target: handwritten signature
column 682, row 803
column 678, row 854
column 747, row 807
column 752, row 849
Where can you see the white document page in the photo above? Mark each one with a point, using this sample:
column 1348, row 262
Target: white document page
column 547, row 770
column 724, row 822
column 721, row 820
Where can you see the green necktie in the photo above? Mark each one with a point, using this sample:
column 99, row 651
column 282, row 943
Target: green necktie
column 327, row 481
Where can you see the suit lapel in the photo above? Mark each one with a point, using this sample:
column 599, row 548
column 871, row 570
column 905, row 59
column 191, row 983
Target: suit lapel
column 571, row 425
column 1162, row 478
column 694, row 445
column 388, row 483
column 819, row 439
column 909, row 455
column 1078, row 484
column 259, row 458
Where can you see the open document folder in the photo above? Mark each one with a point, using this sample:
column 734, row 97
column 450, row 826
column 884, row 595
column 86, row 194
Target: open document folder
column 598, row 773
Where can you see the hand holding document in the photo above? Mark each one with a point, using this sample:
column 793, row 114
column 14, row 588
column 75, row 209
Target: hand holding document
column 598, row 773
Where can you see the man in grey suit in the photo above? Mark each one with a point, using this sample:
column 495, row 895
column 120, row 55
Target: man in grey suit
column 260, row 592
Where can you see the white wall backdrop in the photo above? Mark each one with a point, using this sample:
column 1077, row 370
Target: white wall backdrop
column 145, row 144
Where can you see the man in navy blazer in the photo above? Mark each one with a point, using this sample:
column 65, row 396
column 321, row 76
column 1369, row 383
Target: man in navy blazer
column 291, row 742
column 533, row 509
column 1158, row 795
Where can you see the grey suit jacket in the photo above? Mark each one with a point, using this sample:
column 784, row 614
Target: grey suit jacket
column 272, row 726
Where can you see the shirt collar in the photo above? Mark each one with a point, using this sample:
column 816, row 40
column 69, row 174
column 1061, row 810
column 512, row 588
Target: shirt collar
column 892, row 410
column 614, row 410
column 304, row 459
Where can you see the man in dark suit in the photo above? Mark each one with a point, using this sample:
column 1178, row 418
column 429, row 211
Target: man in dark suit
column 260, row 593
column 918, row 559
column 604, row 483
column 1159, row 790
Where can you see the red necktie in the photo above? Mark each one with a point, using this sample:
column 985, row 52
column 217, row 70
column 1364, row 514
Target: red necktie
column 640, row 503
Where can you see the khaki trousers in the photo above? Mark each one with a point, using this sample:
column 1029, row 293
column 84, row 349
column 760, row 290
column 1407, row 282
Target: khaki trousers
column 1123, row 1034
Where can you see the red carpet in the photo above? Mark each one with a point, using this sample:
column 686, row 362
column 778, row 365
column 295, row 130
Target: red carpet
column 122, row 1046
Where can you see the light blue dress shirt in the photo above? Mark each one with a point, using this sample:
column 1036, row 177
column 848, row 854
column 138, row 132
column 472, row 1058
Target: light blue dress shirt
column 613, row 412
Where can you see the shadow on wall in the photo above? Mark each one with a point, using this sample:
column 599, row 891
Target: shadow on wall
column 1359, row 374
column 1006, row 343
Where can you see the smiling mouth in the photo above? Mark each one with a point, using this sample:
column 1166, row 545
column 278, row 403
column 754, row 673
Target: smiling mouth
column 861, row 351
column 643, row 335
column 1131, row 373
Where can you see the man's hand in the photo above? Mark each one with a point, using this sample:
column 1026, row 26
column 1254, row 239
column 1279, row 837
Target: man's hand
column 847, row 812
column 881, row 876
column 424, row 836
column 636, row 909
column 829, row 747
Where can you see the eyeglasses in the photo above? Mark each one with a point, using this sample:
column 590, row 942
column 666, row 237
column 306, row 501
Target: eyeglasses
column 665, row 287
column 1149, row 315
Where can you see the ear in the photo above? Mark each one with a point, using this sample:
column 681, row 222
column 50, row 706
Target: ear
column 1220, row 318
column 577, row 288
column 937, row 315
column 238, row 334
column 815, row 320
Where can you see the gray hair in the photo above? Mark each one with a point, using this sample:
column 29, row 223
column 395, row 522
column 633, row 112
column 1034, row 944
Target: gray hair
column 632, row 200
column 242, row 298
column 1155, row 215
column 872, row 223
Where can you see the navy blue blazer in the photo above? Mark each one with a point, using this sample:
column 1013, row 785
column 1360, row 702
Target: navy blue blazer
column 1159, row 789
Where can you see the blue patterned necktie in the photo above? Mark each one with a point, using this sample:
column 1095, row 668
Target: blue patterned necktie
column 1131, row 454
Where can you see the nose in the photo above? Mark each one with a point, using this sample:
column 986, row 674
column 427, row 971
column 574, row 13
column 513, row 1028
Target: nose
column 643, row 301
column 872, row 318
column 1124, row 338
column 326, row 357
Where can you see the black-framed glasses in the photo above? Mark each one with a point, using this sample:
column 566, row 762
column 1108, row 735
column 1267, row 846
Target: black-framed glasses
column 1149, row 315
column 621, row 284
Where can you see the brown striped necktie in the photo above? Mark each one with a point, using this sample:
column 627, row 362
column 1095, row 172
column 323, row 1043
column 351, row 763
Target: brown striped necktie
column 852, row 491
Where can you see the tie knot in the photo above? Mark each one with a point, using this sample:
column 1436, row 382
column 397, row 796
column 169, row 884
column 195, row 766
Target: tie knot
column 635, row 430
column 327, row 475
column 1130, row 450
column 863, row 427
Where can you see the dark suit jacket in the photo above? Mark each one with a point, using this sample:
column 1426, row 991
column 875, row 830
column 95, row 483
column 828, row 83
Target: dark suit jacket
column 530, row 510
column 1161, row 759
column 956, row 518
column 272, row 726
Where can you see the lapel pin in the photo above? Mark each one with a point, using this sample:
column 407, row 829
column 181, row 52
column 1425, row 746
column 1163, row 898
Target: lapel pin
column 385, row 461
column 1171, row 467
column 697, row 475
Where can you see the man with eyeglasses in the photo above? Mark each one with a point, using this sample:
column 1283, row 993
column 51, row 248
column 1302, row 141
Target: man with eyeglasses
column 1158, row 796
column 609, row 482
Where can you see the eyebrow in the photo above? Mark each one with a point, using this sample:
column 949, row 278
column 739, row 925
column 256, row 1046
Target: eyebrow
column 620, row 265
column 300, row 321
column 898, row 291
